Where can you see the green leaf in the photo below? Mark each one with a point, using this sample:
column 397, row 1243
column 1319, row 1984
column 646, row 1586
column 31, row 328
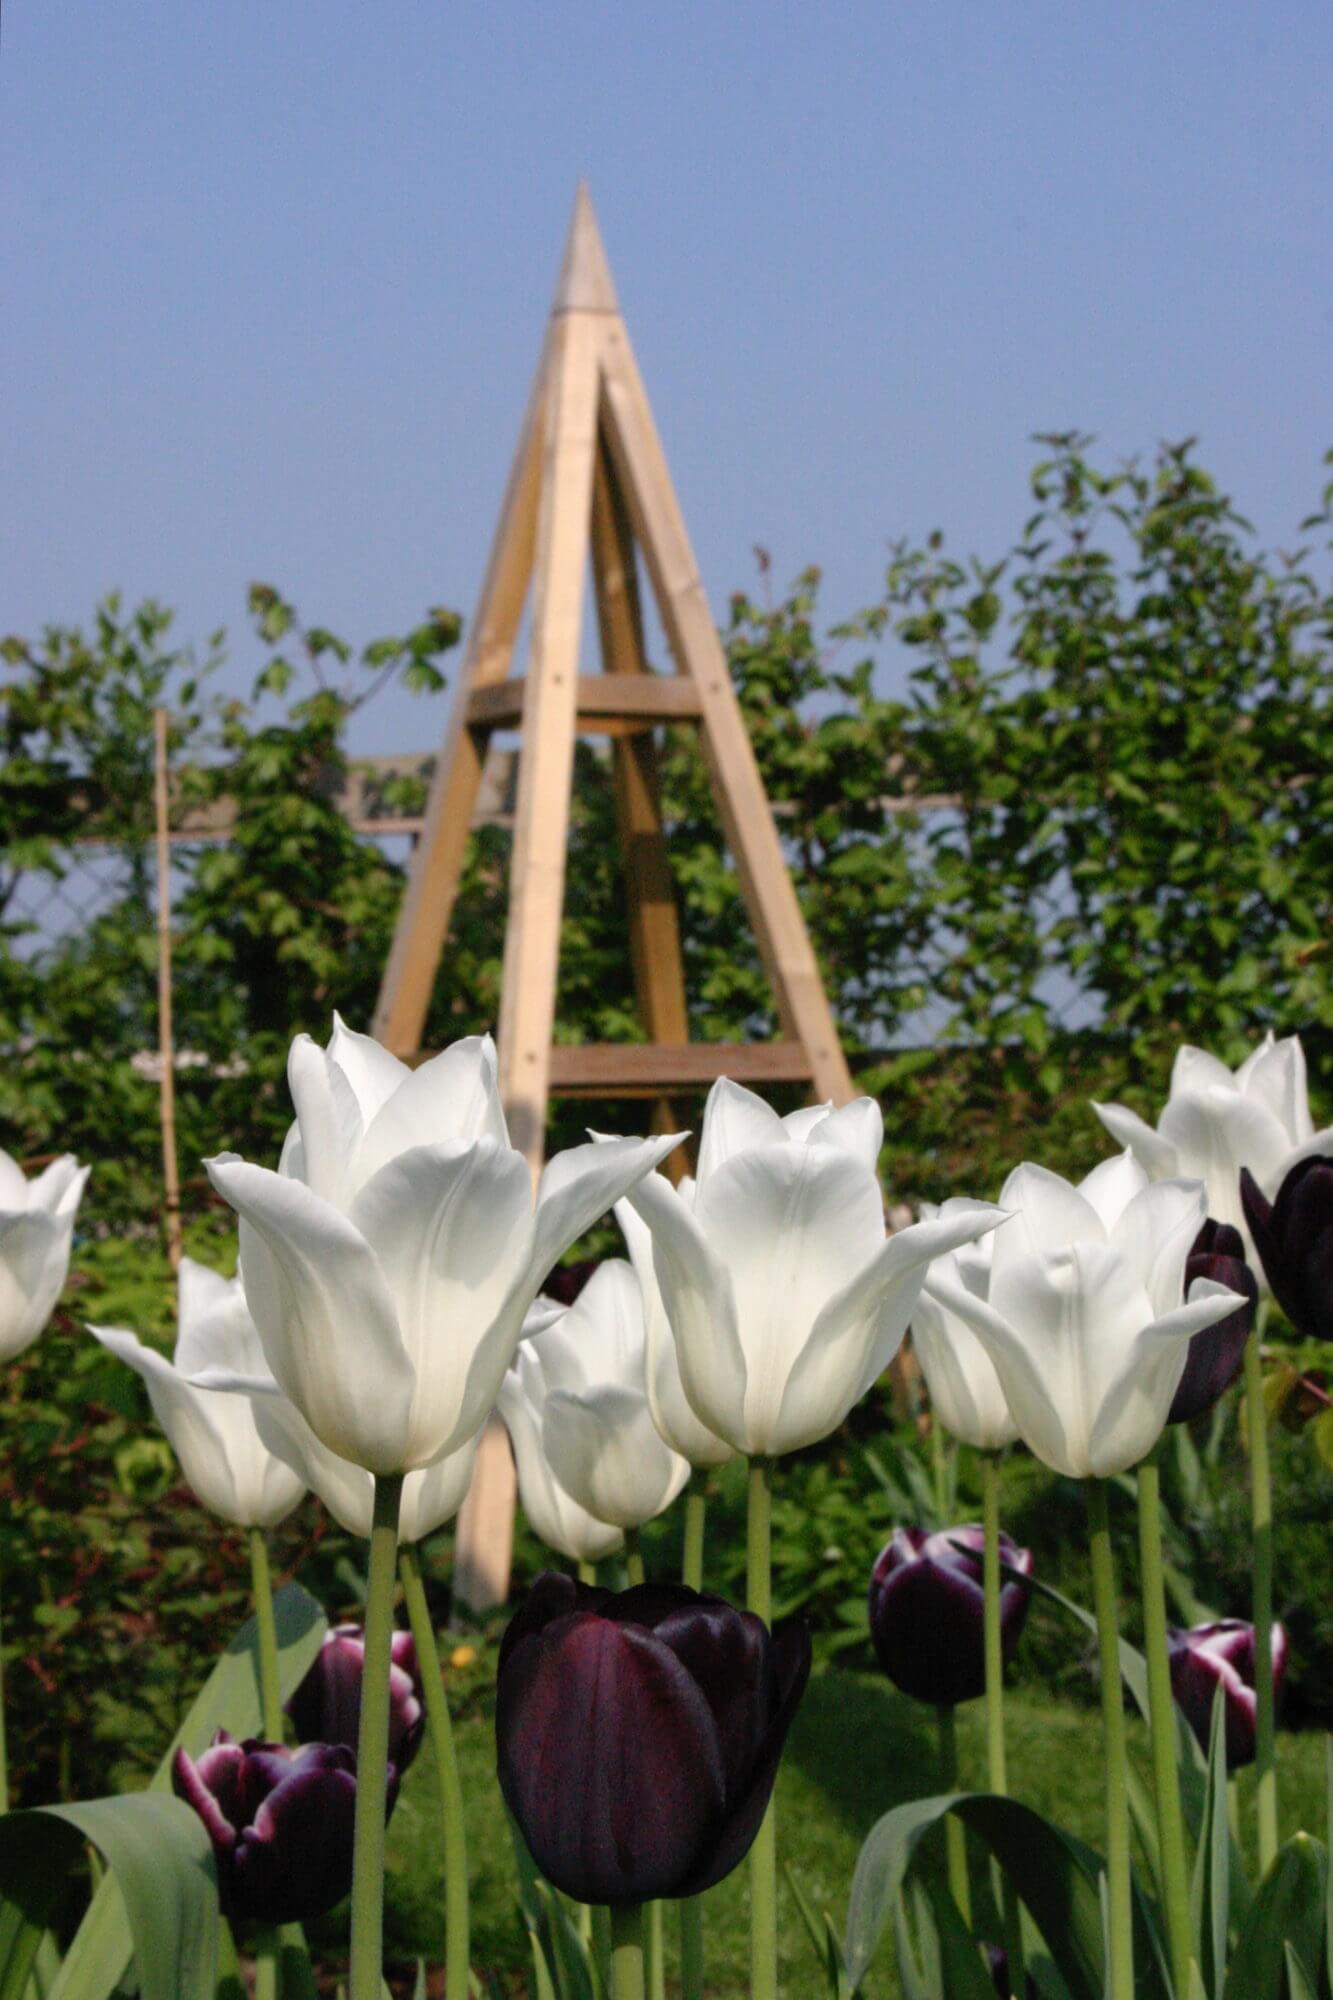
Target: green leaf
column 1300, row 1985
column 827, row 1945
column 1289, row 1909
column 1210, row 1893
column 161, row 1860
column 229, row 1699
column 965, row 1977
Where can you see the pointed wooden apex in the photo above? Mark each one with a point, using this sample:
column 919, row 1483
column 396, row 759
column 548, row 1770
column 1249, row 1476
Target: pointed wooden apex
column 585, row 283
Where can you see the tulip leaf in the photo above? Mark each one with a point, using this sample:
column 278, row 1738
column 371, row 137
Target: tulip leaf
column 1055, row 1875
column 827, row 1944
column 1210, row 1895
column 965, row 1977
column 161, row 1860
column 229, row 1699
column 1289, row 1909
column 1300, row 1985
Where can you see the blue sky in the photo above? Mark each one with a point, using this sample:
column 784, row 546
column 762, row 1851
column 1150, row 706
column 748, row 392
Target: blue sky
column 274, row 277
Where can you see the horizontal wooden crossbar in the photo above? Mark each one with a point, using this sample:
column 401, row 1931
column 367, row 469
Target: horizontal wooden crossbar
column 647, row 1069
column 604, row 701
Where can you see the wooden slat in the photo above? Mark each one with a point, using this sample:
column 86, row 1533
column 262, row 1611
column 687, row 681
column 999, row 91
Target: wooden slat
column 746, row 815
column 423, row 919
column 537, row 866
column 598, row 697
column 643, row 1069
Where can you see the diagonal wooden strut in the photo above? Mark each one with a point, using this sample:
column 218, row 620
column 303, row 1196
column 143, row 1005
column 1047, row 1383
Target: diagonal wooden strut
column 590, row 481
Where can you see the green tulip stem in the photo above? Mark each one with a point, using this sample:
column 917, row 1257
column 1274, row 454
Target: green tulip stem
column 654, row 1940
column 996, row 1764
column 955, row 1839
column 270, row 1687
column 600, row 1928
column 372, row 1749
column 633, row 1558
column 268, row 1963
column 587, row 1573
column 1113, row 1725
column 764, row 1853
column 692, row 1560
column 627, row 1951
column 4, row 1755
column 1261, row 1518
column 457, row 1950
column 1162, row 1717
column 692, row 1909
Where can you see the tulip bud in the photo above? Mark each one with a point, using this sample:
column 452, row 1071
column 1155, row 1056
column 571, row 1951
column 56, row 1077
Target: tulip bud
column 1294, row 1238
column 1208, row 1657
column 326, row 1708
column 280, row 1822
column 927, row 1611
column 639, row 1734
column 1214, row 1357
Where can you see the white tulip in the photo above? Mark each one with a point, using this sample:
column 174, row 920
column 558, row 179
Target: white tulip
column 390, row 1260
column 666, row 1393
column 1216, row 1121
column 429, row 1498
column 965, row 1391
column 214, row 1435
column 1085, row 1317
column 36, row 1228
column 554, row 1516
column 785, row 1297
column 598, row 1433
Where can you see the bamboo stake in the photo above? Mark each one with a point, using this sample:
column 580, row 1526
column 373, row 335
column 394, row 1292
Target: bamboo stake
column 165, row 1041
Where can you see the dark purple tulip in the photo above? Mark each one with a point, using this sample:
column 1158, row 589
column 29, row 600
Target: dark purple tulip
column 326, row 1708
column 1222, row 1655
column 1214, row 1357
column 1294, row 1238
column 927, row 1610
column 280, row 1822
column 639, row 1734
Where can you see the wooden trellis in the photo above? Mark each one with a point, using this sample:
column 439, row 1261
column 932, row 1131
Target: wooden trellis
column 590, row 482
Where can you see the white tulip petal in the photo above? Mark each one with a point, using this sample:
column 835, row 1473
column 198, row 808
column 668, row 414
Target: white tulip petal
column 450, row 1226
column 581, row 1185
column 792, row 1224
column 216, row 1329
column 1048, row 1214
column 1112, row 1186
column 372, row 1072
column 798, row 1125
column 34, row 1263
column 696, row 1293
column 1156, row 1234
column 58, row 1188
column 1215, row 1136
column 1275, row 1075
column 964, row 1388
column 1154, row 1153
column 857, row 1128
column 434, row 1495
column 554, row 1516
column 215, row 1437
column 734, row 1120
column 13, row 1185
column 667, row 1401
column 325, row 1315
column 1133, row 1405
column 605, row 1450
column 859, row 1330
column 347, row 1490
column 328, row 1118
column 454, row 1096
column 1196, row 1070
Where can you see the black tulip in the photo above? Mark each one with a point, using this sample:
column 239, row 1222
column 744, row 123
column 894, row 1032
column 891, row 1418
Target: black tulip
column 639, row 1734
column 280, row 1822
column 326, row 1707
column 1294, row 1238
column 927, row 1611
column 1214, row 1357
column 1208, row 1657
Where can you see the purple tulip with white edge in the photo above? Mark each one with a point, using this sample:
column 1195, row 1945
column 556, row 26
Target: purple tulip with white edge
column 927, row 1611
column 280, row 1822
column 1205, row 1658
column 390, row 1260
column 326, row 1707
column 639, row 1734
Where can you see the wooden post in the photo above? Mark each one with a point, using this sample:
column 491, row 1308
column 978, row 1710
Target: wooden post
column 165, row 1038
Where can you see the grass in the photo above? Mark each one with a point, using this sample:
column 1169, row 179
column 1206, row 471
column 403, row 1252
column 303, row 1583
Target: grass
column 857, row 1748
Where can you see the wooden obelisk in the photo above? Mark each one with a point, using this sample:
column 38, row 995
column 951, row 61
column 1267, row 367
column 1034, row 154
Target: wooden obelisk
column 589, row 483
